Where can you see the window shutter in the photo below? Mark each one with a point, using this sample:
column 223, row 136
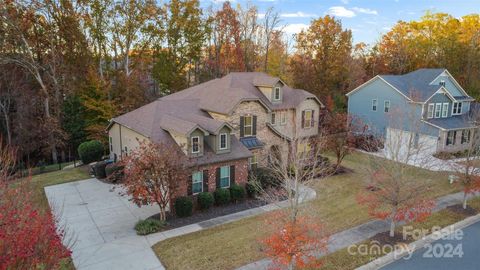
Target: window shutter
column 232, row 175
column 205, row 180
column 242, row 122
column 189, row 185
column 303, row 119
column 254, row 128
column 312, row 121
column 218, row 177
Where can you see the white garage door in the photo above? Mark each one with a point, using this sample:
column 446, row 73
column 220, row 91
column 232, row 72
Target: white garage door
column 401, row 144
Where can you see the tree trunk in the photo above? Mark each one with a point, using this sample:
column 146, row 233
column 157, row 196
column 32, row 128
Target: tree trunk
column 162, row 213
column 464, row 200
column 7, row 124
column 392, row 228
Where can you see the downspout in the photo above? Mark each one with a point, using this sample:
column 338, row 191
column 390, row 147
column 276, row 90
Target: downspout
column 121, row 146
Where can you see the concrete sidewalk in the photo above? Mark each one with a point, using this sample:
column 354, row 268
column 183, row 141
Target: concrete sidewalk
column 101, row 224
column 360, row 233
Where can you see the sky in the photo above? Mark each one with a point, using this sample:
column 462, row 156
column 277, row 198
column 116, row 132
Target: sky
column 367, row 19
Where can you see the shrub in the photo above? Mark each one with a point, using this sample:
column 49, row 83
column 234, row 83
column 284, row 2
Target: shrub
column 205, row 200
column 183, row 206
column 266, row 177
column 148, row 226
column 237, row 193
column 222, row 196
column 90, row 151
column 114, row 172
column 251, row 188
column 99, row 169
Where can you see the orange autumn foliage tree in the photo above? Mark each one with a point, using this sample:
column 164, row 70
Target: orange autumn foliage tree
column 153, row 173
column 390, row 198
column 293, row 243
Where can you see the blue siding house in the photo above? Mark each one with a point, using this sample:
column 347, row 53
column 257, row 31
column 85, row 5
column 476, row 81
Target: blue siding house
column 428, row 104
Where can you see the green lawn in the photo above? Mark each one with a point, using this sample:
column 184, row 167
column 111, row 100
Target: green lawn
column 232, row 245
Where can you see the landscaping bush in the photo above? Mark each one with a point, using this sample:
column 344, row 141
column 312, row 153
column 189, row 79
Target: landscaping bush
column 237, row 193
column 222, row 196
column 114, row 172
column 99, row 169
column 266, row 177
column 90, row 151
column 148, row 226
column 183, row 206
column 251, row 188
column 205, row 200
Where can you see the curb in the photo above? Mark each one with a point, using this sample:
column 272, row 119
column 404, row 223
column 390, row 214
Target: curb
column 414, row 246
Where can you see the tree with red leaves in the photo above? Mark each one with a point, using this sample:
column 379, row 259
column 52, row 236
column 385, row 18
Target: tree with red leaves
column 293, row 243
column 153, row 173
column 28, row 236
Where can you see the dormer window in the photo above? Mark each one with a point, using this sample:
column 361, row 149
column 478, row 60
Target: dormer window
column 195, row 145
column 223, row 141
column 442, row 83
column 457, row 108
column 276, row 93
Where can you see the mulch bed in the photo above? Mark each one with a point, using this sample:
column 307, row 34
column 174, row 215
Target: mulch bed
column 458, row 208
column 213, row 212
column 385, row 239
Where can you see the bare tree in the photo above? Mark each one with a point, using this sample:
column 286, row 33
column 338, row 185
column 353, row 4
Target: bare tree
column 271, row 22
column 393, row 189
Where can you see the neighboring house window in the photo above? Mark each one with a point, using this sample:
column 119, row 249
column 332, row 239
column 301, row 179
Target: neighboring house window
column 431, row 108
column 438, row 110
column 276, row 93
column 223, row 141
column 283, row 118
column 274, row 120
column 225, row 176
column 111, row 144
column 303, row 149
column 252, row 162
column 386, row 106
column 197, row 182
column 195, row 144
column 307, row 118
column 457, row 108
column 248, row 125
column 451, row 137
column 465, row 136
column 374, row 105
column 445, row 110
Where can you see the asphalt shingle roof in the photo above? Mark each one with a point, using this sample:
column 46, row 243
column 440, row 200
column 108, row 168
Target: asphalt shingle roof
column 454, row 122
column 416, row 84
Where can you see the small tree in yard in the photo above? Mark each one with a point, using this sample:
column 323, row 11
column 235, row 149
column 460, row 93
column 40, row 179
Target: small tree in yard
column 295, row 237
column 152, row 174
column 394, row 189
column 28, row 236
column 468, row 171
column 341, row 130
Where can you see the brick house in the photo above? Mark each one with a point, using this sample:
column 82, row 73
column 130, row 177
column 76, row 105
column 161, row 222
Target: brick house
column 224, row 126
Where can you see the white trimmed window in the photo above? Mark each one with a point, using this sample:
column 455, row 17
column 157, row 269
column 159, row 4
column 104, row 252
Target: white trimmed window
column 374, row 105
column 195, row 144
column 248, row 125
column 223, row 141
column 465, row 136
column 451, row 137
column 252, row 162
column 431, row 108
column 386, row 106
column 445, row 110
column 197, row 182
column 276, row 93
column 457, row 108
column 438, row 110
column 225, row 177
column 273, row 118
column 307, row 121
column 283, row 118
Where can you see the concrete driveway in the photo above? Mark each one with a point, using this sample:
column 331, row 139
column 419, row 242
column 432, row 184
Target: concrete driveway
column 100, row 224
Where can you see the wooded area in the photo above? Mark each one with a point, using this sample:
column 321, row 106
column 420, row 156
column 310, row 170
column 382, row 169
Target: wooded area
column 67, row 67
